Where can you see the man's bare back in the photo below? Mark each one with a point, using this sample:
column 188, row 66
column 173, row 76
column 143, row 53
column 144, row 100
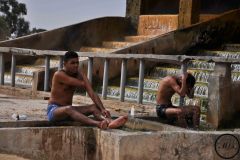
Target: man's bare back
column 165, row 91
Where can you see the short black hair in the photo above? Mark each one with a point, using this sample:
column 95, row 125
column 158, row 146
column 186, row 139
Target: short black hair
column 190, row 80
column 69, row 55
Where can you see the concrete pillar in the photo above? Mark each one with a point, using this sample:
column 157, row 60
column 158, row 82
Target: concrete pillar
column 219, row 92
column 13, row 70
column 47, row 73
column 123, row 79
column 141, row 82
column 105, row 78
column 189, row 12
column 2, row 69
column 183, row 71
column 133, row 11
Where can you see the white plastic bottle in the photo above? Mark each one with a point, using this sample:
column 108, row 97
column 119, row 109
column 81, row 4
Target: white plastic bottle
column 22, row 117
column 132, row 111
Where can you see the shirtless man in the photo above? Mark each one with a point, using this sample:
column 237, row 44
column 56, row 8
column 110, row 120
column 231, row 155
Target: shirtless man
column 64, row 83
column 182, row 85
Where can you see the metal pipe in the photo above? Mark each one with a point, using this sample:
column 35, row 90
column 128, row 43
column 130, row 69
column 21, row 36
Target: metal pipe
column 2, row 69
column 13, row 70
column 105, row 79
column 123, row 79
column 47, row 71
column 60, row 66
column 140, row 82
column 90, row 70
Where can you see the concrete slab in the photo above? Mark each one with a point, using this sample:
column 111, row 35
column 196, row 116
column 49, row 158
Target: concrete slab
column 75, row 142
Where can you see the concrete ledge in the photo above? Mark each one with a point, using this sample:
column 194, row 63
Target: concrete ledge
column 91, row 143
column 74, row 142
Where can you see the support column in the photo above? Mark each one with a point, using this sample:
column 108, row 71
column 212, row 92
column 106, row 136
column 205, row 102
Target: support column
column 2, row 69
column 47, row 72
column 183, row 71
column 105, row 78
column 123, row 79
column 133, row 10
column 189, row 12
column 13, row 70
column 141, row 82
column 60, row 65
column 220, row 106
column 90, row 71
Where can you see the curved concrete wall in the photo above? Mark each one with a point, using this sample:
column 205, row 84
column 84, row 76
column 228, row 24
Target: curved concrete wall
column 90, row 33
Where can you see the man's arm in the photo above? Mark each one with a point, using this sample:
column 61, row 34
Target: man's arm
column 181, row 90
column 95, row 98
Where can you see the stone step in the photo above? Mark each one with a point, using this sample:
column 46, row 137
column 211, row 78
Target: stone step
column 116, row 44
column 137, row 38
column 200, row 89
column 131, row 94
column 203, row 65
column 149, row 83
column 149, row 96
column 200, row 75
column 28, row 69
column 96, row 49
column 225, row 54
column 157, row 24
column 54, row 62
column 20, row 79
column 232, row 47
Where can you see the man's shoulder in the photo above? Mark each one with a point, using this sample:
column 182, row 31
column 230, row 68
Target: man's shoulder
column 60, row 72
column 60, row 75
column 169, row 78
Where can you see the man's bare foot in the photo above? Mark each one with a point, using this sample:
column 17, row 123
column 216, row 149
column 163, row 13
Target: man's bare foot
column 103, row 124
column 120, row 121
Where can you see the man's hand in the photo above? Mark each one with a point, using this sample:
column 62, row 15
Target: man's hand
column 106, row 113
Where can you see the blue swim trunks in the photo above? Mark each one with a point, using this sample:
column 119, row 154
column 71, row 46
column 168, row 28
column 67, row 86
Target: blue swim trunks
column 50, row 109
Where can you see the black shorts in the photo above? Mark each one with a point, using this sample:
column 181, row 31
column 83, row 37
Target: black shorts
column 161, row 109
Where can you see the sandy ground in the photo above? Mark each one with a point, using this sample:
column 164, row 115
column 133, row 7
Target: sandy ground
column 34, row 109
column 11, row 157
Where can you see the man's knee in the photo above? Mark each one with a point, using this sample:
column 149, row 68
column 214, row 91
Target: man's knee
column 197, row 109
column 94, row 109
column 179, row 113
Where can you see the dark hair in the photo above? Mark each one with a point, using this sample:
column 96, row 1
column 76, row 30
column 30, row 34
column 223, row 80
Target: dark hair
column 190, row 80
column 69, row 55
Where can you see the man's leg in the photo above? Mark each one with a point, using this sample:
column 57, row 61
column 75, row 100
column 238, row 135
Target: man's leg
column 92, row 109
column 194, row 112
column 177, row 112
column 61, row 113
column 196, row 116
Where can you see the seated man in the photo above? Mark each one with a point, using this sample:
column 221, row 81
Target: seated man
column 182, row 85
column 64, row 83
